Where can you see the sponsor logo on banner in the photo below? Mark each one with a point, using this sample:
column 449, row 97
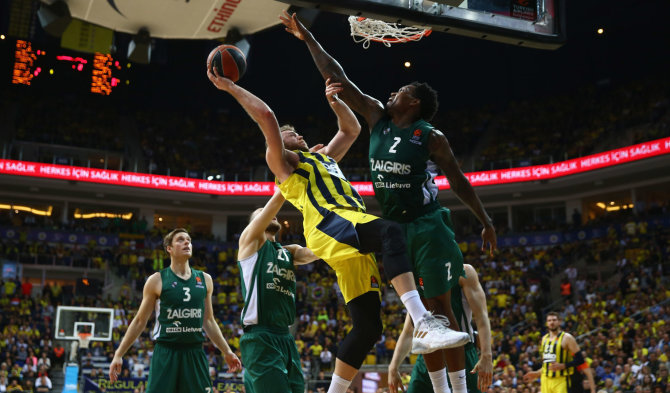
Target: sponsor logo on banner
column 503, row 176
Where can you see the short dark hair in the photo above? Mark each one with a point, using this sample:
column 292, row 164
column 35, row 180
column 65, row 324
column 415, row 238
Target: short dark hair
column 552, row 314
column 428, row 97
column 167, row 240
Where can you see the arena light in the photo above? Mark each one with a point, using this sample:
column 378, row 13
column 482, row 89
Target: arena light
column 28, row 209
column 613, row 208
column 86, row 216
column 601, row 205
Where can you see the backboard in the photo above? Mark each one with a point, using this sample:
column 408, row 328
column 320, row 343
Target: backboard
column 71, row 322
column 529, row 23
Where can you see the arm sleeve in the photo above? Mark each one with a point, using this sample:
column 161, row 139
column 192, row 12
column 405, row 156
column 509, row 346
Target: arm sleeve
column 577, row 360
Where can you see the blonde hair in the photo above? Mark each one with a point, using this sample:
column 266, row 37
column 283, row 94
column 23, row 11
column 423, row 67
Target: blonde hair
column 286, row 127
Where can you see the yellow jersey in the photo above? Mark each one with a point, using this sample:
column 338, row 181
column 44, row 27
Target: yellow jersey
column 552, row 351
column 331, row 208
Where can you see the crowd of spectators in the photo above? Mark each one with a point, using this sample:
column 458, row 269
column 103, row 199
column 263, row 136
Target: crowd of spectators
column 200, row 142
column 73, row 122
column 593, row 119
column 613, row 322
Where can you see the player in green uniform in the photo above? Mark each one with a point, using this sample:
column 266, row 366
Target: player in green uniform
column 405, row 154
column 268, row 286
column 468, row 300
column 182, row 298
column 338, row 230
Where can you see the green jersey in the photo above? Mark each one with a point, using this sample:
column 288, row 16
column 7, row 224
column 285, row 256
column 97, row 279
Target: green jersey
column 403, row 176
column 180, row 309
column 268, row 287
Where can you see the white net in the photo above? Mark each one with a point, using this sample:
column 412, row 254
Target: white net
column 365, row 30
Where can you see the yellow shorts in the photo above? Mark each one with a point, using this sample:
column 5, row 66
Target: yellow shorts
column 357, row 275
column 554, row 384
column 334, row 240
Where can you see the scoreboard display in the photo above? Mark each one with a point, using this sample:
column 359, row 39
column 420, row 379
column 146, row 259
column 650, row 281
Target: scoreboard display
column 98, row 73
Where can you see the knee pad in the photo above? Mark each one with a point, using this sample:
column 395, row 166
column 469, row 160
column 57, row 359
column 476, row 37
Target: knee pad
column 360, row 340
column 394, row 251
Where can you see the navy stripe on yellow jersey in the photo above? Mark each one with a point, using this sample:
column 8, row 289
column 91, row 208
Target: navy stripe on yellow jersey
column 339, row 186
column 339, row 229
column 552, row 351
column 327, row 188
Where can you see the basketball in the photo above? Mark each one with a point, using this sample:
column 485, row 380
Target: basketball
column 228, row 60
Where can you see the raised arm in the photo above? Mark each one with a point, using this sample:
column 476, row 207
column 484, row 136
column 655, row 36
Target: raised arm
column 276, row 156
column 301, row 255
column 214, row 332
column 443, row 156
column 402, row 348
column 253, row 236
column 474, row 294
column 151, row 292
column 370, row 108
column 348, row 126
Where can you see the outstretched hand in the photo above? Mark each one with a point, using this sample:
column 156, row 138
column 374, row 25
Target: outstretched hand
column 489, row 237
column 221, row 82
column 293, row 25
column 331, row 91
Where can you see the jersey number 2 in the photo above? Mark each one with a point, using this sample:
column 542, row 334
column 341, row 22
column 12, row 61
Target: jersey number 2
column 392, row 148
column 187, row 294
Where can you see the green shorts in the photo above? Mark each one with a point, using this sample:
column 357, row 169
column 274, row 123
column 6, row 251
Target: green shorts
column 421, row 383
column 179, row 368
column 437, row 260
column 271, row 361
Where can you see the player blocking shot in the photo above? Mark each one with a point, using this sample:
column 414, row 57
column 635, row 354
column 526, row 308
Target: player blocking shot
column 182, row 299
column 405, row 154
column 338, row 230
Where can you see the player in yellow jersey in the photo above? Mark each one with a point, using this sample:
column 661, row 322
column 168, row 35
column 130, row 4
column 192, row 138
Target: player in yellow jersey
column 338, row 230
column 562, row 360
column 406, row 152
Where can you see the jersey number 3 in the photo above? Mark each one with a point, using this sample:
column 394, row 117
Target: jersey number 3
column 187, row 294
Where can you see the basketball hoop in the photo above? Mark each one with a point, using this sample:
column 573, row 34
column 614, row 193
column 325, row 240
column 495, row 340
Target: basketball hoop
column 365, row 30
